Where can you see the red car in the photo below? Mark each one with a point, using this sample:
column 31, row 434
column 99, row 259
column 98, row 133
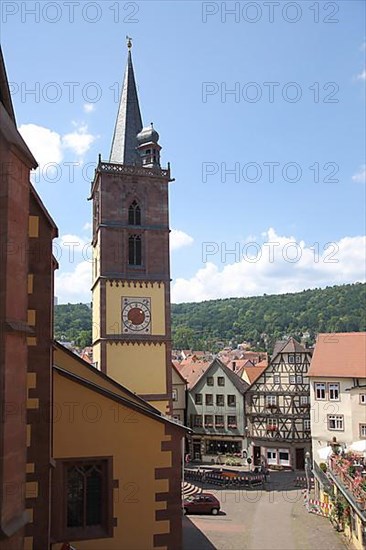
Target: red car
column 204, row 503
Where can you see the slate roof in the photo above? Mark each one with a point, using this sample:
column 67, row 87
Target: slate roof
column 339, row 355
column 288, row 346
column 129, row 121
column 279, row 344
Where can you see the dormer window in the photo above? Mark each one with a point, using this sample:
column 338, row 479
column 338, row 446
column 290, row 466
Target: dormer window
column 134, row 214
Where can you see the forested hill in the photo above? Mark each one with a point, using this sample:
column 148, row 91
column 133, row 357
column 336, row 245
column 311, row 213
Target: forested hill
column 260, row 320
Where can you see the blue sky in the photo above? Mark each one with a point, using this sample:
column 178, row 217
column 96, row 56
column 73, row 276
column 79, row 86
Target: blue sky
column 297, row 75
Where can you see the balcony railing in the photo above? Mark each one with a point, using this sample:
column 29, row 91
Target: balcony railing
column 351, row 474
column 116, row 168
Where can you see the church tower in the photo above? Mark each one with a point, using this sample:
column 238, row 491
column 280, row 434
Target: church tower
column 131, row 273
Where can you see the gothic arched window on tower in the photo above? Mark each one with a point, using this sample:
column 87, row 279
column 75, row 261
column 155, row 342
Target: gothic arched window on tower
column 134, row 250
column 134, row 214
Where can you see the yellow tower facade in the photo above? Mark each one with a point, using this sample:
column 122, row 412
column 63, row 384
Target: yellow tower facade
column 131, row 273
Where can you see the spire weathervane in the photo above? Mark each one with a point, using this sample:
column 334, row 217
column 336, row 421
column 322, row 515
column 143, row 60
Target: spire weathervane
column 129, row 42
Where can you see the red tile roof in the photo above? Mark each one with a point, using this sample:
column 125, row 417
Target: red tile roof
column 193, row 370
column 254, row 372
column 339, row 355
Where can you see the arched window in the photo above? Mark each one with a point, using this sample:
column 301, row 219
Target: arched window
column 134, row 214
column 134, row 250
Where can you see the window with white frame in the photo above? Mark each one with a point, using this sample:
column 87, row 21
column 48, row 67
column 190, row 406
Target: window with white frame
column 333, row 390
column 304, row 399
column 292, row 379
column 298, row 358
column 291, row 359
column 363, row 398
column 271, row 400
column 319, row 391
column 276, row 379
column 306, row 425
column 284, row 457
column 363, row 431
column 299, row 379
column 174, row 394
column 271, row 457
column 335, row 422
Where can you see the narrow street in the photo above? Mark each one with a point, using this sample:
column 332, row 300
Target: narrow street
column 261, row 519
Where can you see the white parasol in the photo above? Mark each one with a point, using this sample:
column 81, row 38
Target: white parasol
column 359, row 446
column 325, row 452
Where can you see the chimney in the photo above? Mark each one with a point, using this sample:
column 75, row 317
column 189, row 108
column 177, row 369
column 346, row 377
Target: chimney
column 233, row 364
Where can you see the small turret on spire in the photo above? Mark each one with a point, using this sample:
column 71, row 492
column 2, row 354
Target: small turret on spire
column 148, row 146
column 129, row 42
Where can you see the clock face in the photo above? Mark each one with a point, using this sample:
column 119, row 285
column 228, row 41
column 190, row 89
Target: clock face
column 136, row 315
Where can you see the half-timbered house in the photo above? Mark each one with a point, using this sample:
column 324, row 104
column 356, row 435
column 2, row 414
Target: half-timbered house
column 278, row 409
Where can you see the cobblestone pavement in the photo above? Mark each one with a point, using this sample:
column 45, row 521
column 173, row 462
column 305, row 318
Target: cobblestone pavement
column 267, row 518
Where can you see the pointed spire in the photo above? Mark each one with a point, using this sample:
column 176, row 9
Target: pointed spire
column 129, row 122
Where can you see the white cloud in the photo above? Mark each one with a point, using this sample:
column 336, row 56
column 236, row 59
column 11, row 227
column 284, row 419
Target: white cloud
column 179, row 238
column 48, row 146
column 44, row 143
column 79, row 141
column 278, row 265
column 74, row 286
column 362, row 76
column 360, row 176
column 71, row 241
column 89, row 107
